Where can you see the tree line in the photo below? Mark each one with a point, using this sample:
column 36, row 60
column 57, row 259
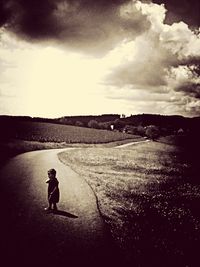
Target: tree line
column 149, row 125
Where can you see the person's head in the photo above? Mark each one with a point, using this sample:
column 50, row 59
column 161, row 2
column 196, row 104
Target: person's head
column 52, row 173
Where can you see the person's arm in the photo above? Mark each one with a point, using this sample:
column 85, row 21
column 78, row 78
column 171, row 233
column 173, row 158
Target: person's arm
column 56, row 187
column 53, row 191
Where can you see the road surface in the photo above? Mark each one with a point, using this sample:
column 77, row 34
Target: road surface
column 75, row 236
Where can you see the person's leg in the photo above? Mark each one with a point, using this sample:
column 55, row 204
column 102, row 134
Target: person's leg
column 55, row 206
column 50, row 206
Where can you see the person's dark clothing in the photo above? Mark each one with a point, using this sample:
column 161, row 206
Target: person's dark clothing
column 53, row 190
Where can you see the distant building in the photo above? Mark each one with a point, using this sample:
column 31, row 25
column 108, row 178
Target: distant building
column 180, row 131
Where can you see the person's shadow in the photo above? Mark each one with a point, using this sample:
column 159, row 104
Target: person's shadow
column 65, row 214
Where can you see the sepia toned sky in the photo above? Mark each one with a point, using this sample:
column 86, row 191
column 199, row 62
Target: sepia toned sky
column 85, row 57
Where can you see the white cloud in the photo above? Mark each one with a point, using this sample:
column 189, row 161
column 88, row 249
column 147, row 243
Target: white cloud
column 155, row 14
column 159, row 60
column 151, row 67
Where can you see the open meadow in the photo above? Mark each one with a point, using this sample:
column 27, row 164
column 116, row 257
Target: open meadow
column 22, row 136
column 149, row 196
column 50, row 132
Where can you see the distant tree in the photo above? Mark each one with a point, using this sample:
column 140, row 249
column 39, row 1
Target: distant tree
column 130, row 129
column 104, row 125
column 164, row 131
column 79, row 123
column 118, row 124
column 141, row 130
column 93, row 124
column 152, row 132
column 64, row 120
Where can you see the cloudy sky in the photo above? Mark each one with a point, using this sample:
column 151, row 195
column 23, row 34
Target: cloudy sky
column 81, row 57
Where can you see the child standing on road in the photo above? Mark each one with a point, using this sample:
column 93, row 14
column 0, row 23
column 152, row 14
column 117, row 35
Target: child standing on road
column 53, row 190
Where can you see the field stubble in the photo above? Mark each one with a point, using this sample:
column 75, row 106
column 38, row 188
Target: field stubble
column 149, row 196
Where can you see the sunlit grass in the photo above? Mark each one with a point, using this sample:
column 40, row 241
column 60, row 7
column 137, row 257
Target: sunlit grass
column 146, row 197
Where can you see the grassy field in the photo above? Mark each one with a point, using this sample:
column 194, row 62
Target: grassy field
column 49, row 132
column 149, row 195
column 12, row 147
column 23, row 136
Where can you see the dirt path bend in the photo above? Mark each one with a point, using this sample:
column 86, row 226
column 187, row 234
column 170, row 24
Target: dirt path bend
column 133, row 143
column 76, row 236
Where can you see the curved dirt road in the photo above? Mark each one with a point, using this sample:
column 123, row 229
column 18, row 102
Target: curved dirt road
column 76, row 236
column 132, row 143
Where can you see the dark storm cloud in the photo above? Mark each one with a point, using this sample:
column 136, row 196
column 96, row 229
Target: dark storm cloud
column 4, row 12
column 23, row 14
column 182, row 10
column 84, row 20
column 83, row 24
column 189, row 88
column 194, row 65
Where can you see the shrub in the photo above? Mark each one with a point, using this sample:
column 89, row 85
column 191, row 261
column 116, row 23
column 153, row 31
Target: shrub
column 93, row 124
column 141, row 130
column 152, row 132
column 79, row 123
column 118, row 124
column 105, row 125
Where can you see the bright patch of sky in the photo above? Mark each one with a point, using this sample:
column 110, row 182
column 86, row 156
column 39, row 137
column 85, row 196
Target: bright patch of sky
column 149, row 67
